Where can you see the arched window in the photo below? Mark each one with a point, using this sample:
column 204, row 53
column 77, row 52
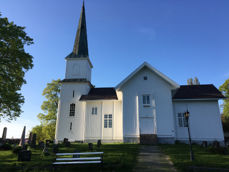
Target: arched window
column 72, row 110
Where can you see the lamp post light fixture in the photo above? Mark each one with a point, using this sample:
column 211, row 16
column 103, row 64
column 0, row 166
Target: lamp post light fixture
column 186, row 114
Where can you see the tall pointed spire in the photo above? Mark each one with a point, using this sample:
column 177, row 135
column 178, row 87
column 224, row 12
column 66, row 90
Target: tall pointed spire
column 80, row 48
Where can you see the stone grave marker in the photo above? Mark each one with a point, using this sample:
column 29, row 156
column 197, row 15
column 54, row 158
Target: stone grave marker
column 4, row 133
column 22, row 141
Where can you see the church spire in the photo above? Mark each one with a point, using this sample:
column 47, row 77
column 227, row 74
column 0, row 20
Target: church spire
column 80, row 48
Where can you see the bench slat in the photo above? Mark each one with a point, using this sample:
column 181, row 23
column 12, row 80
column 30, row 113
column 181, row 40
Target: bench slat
column 78, row 162
column 72, row 159
column 83, row 153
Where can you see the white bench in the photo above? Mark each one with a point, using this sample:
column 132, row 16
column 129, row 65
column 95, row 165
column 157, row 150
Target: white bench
column 83, row 160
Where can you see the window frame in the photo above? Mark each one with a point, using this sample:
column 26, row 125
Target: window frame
column 72, row 109
column 146, row 100
column 181, row 120
column 108, row 120
column 94, row 110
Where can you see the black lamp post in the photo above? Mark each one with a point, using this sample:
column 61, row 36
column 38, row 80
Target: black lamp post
column 189, row 136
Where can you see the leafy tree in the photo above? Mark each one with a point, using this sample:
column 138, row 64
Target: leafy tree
column 52, row 94
column 224, row 88
column 46, row 130
column 13, row 65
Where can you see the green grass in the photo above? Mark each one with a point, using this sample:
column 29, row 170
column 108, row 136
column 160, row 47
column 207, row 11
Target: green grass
column 179, row 154
column 117, row 157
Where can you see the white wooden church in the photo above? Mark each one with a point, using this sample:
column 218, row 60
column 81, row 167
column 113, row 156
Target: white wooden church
column 146, row 105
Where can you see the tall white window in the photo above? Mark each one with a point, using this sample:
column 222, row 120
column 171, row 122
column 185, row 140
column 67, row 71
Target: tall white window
column 182, row 122
column 146, row 100
column 72, row 110
column 94, row 111
column 108, row 121
column 71, row 126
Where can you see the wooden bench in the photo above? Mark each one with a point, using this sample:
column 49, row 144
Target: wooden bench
column 83, row 160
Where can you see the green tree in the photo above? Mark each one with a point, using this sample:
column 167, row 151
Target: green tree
column 14, row 62
column 224, row 88
column 46, row 130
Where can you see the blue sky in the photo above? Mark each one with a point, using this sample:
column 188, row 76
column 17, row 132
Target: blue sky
column 180, row 38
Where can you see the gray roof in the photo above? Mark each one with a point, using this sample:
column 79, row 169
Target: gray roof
column 80, row 49
column 208, row 91
column 108, row 93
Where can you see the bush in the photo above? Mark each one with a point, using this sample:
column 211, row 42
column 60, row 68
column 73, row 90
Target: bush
column 16, row 149
column 5, row 146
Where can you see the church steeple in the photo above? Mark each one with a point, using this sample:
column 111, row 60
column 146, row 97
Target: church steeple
column 80, row 49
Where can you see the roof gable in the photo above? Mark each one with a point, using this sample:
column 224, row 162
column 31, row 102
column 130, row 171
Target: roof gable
column 145, row 64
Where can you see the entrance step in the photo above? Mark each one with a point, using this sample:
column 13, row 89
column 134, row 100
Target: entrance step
column 148, row 139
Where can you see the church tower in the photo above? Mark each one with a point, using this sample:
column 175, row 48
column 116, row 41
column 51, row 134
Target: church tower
column 77, row 82
column 78, row 62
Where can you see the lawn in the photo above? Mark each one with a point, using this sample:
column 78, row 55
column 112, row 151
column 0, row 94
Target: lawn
column 179, row 154
column 117, row 157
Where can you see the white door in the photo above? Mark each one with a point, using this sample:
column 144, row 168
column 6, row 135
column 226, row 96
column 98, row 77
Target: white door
column 107, row 126
column 146, row 125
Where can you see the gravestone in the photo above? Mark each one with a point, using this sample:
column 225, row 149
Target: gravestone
column 76, row 156
column 24, row 155
column 34, row 138
column 55, row 148
column 22, row 141
column 99, row 144
column 216, row 144
column 90, row 146
column 4, row 134
column 66, row 142
column 45, row 151
column 47, row 142
column 30, row 138
column 204, row 144
column 41, row 145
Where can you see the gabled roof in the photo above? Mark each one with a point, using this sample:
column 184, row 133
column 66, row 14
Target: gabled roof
column 208, row 91
column 145, row 64
column 80, row 49
column 100, row 94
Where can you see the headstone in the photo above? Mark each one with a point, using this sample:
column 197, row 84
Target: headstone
column 22, row 141
column 34, row 138
column 47, row 142
column 45, row 151
column 4, row 134
column 216, row 144
column 24, row 155
column 30, row 138
column 76, row 156
column 55, row 148
column 99, row 144
column 90, row 146
column 66, row 142
column 204, row 144
column 41, row 144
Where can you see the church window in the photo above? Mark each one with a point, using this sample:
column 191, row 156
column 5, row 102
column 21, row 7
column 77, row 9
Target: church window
column 73, row 93
column 145, row 78
column 182, row 122
column 108, row 121
column 146, row 100
column 71, row 126
column 72, row 110
column 94, row 111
